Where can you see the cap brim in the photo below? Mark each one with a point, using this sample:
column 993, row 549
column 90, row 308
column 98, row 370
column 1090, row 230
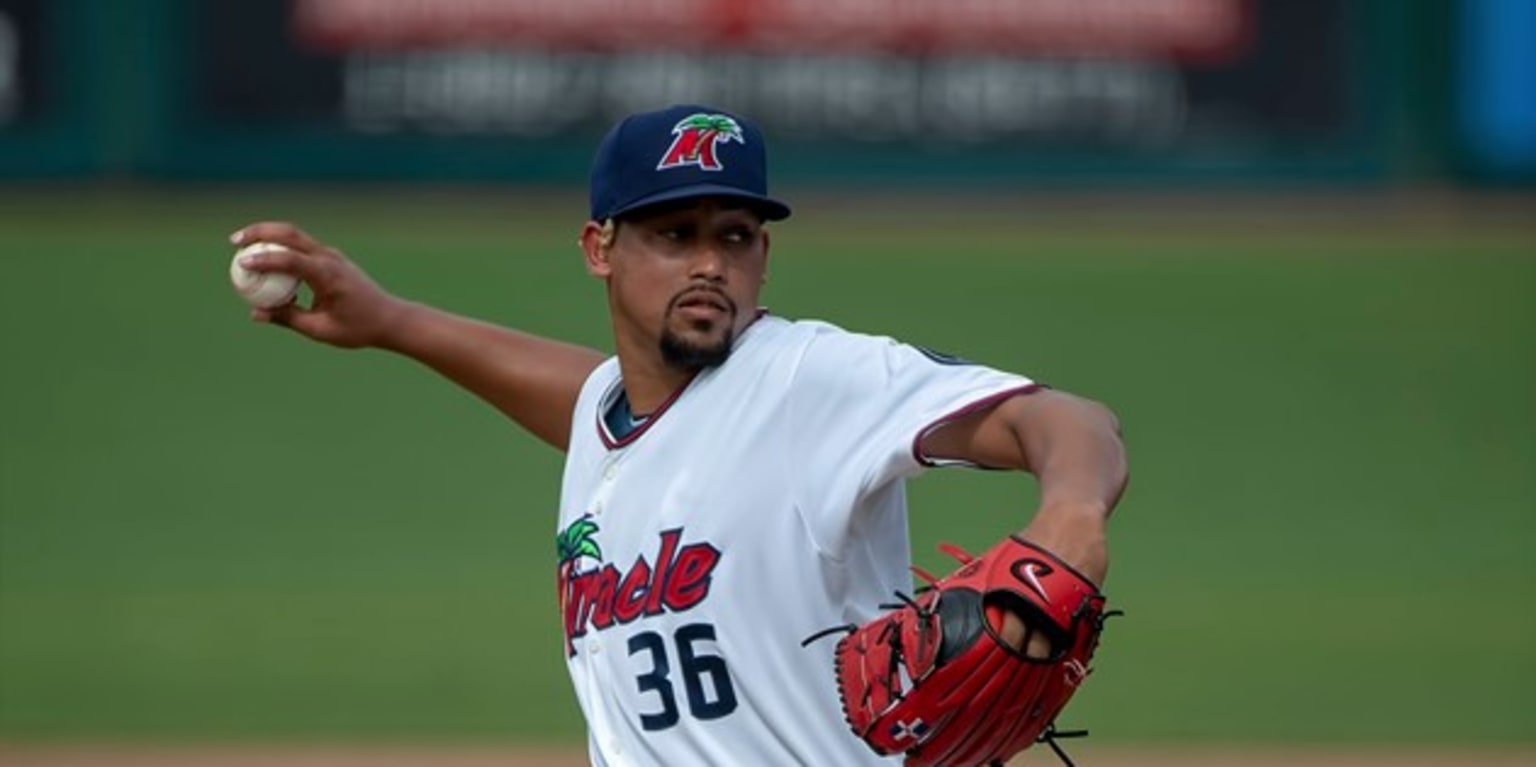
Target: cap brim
column 771, row 209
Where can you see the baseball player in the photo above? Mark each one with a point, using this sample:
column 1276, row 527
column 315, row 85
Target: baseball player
column 734, row 484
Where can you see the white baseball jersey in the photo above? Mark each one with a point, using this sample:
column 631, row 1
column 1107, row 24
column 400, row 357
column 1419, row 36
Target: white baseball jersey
column 762, row 503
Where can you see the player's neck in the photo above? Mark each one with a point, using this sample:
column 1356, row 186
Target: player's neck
column 650, row 382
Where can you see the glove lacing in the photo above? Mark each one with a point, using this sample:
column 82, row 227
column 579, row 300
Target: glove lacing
column 1049, row 738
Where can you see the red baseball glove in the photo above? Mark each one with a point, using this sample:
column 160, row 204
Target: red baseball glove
column 934, row 678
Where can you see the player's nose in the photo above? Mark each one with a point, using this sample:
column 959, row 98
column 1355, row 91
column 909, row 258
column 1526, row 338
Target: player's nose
column 708, row 263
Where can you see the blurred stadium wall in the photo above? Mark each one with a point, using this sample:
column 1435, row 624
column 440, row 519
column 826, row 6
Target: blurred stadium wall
column 931, row 92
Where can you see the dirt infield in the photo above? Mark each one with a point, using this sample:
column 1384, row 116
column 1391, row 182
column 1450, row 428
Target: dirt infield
column 1159, row 756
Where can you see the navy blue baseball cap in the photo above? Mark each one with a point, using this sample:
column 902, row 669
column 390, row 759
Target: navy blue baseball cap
column 678, row 153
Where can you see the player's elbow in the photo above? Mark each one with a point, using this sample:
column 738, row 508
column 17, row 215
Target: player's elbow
column 1081, row 432
column 1117, row 466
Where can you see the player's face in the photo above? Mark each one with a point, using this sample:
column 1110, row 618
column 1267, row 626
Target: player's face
column 684, row 280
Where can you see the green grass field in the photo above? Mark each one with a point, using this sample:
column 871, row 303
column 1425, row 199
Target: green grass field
column 211, row 530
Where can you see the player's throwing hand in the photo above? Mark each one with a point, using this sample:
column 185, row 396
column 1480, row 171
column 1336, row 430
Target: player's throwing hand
column 348, row 308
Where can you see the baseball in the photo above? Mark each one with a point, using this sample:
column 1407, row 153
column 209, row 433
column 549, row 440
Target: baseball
column 263, row 290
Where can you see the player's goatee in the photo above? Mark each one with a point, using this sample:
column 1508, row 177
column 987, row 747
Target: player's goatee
column 681, row 354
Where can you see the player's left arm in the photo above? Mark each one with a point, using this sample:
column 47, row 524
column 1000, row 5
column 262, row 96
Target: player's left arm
column 1072, row 445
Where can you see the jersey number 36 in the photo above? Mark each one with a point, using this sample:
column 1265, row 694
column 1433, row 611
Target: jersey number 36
column 695, row 667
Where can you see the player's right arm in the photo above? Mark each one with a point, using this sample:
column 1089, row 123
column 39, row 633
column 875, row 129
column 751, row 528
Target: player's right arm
column 532, row 380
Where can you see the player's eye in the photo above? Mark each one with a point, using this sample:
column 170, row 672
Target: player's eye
column 676, row 233
column 739, row 236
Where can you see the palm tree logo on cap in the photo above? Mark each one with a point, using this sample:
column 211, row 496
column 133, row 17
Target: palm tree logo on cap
column 694, row 140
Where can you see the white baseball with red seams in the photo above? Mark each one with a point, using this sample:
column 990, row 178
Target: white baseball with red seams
column 763, row 502
column 263, row 290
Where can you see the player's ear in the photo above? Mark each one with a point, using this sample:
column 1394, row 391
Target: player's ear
column 596, row 242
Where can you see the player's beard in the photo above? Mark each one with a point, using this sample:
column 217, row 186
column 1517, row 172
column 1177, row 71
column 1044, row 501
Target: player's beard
column 682, row 353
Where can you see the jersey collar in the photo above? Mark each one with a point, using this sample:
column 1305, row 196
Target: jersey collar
column 613, row 396
column 615, row 391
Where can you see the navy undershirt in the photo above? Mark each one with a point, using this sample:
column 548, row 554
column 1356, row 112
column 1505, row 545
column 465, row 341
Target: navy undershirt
column 621, row 421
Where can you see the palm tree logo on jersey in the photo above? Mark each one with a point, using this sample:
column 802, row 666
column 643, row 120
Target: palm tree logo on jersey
column 573, row 543
column 694, row 140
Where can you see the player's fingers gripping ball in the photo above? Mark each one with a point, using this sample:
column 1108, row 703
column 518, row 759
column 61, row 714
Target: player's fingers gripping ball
column 262, row 290
column 935, row 679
